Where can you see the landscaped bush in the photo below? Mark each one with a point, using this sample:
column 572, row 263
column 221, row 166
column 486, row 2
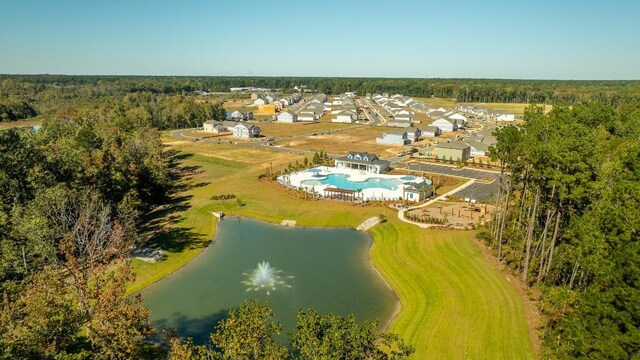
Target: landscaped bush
column 223, row 196
column 426, row 219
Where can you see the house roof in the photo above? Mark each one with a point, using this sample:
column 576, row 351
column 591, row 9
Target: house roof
column 478, row 146
column 418, row 187
column 396, row 132
column 372, row 158
column 458, row 145
column 429, row 128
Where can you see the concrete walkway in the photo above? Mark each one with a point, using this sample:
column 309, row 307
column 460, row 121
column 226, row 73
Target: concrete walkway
column 401, row 212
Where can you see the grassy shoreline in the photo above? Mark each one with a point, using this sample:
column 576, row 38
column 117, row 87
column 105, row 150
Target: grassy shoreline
column 438, row 276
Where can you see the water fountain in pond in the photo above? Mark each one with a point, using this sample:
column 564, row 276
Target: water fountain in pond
column 265, row 277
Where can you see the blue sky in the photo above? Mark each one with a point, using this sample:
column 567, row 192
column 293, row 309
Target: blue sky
column 561, row 39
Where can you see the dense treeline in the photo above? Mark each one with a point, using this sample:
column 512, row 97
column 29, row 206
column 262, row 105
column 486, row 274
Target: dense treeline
column 249, row 333
column 11, row 110
column 164, row 111
column 463, row 90
column 70, row 197
column 569, row 223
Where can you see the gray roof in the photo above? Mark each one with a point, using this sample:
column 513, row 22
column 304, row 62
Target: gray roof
column 453, row 145
column 478, row 146
column 429, row 128
column 373, row 158
column 418, row 187
column 396, row 131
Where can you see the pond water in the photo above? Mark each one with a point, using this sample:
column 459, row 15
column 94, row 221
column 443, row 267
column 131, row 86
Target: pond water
column 323, row 268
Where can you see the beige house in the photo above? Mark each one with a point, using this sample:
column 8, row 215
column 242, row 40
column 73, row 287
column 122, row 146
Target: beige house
column 454, row 150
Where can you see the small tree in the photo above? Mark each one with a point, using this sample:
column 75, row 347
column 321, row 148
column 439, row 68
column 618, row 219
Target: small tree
column 334, row 337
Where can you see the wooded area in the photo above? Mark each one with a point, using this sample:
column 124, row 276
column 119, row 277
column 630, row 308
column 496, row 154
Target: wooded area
column 45, row 93
column 569, row 223
column 72, row 193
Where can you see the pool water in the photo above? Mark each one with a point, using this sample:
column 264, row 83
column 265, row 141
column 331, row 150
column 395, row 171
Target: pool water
column 342, row 181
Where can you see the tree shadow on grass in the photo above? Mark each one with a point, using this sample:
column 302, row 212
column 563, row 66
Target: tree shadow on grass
column 159, row 226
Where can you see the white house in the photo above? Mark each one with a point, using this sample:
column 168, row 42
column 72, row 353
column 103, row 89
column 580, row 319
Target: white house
column 430, row 131
column 398, row 137
column 244, row 130
column 344, row 116
column 287, row 117
column 455, row 116
column 268, row 99
column 501, row 115
column 363, row 161
column 403, row 112
column 445, row 125
column 307, row 116
column 478, row 149
column 259, row 101
column 403, row 117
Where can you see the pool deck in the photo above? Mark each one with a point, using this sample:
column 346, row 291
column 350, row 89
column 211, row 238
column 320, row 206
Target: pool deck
column 372, row 193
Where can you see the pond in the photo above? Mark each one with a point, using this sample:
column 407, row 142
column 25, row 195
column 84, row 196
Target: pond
column 324, row 268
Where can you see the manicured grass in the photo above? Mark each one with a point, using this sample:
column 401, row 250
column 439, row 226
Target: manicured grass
column 454, row 305
column 186, row 230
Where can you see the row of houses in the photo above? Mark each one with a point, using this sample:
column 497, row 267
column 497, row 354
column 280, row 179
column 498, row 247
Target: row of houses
column 408, row 135
column 239, row 129
column 312, row 109
column 344, row 109
column 486, row 112
column 277, row 102
column 397, row 106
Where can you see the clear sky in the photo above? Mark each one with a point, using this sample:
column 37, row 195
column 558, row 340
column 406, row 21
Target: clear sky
column 536, row 39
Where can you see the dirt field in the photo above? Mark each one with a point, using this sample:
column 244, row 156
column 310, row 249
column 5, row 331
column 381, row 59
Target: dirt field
column 360, row 139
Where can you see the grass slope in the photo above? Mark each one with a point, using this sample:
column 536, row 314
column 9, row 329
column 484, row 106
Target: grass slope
column 454, row 305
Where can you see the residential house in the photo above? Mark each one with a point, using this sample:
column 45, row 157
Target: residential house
column 435, row 115
column 403, row 117
column 245, row 130
column 218, row 127
column 363, row 161
column 397, row 137
column 455, row 116
column 445, row 125
column 455, row 150
column 344, row 116
column 398, row 123
column 259, row 102
column 414, row 134
column 502, row 115
column 307, row 116
column 478, row 148
column 430, row 131
column 287, row 117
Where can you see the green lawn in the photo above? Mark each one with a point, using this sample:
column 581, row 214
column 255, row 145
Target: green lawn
column 454, row 305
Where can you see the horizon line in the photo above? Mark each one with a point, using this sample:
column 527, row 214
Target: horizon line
column 317, row 76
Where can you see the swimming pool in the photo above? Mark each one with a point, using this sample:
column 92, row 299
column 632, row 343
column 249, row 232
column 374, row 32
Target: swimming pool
column 342, row 181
